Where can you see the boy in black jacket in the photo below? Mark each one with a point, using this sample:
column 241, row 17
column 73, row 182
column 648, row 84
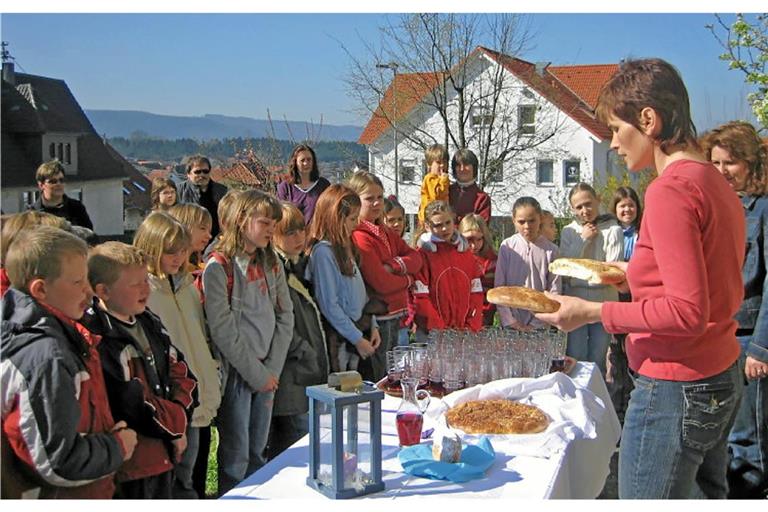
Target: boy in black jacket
column 148, row 383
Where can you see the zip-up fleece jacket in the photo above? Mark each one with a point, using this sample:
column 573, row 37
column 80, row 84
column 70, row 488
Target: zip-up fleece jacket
column 55, row 412
column 236, row 342
column 379, row 245
column 153, row 393
column 448, row 292
column 182, row 315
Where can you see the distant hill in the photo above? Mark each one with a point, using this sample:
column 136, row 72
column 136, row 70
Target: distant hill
column 124, row 123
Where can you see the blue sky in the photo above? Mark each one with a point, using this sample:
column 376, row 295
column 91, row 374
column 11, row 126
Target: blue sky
column 242, row 64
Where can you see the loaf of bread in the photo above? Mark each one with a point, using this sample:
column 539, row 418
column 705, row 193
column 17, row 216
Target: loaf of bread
column 522, row 298
column 591, row 271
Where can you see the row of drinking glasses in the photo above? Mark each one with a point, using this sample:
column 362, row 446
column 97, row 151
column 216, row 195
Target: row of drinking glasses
column 452, row 359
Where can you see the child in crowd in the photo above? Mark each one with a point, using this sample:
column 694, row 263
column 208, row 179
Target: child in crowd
column 394, row 215
column 548, row 225
column 474, row 229
column 388, row 265
column 626, row 206
column 250, row 317
column 174, row 298
column 148, row 381
column 465, row 196
column 226, row 215
column 434, row 186
column 338, row 286
column 596, row 237
column 198, row 221
column 524, row 260
column 15, row 223
column 59, row 437
column 448, row 291
column 304, row 183
column 163, row 194
column 307, row 360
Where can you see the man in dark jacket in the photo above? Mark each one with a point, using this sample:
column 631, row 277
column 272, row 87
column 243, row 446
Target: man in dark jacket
column 201, row 189
column 50, row 181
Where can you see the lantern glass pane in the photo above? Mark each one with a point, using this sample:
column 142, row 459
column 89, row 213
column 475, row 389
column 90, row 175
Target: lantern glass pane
column 357, row 446
column 325, row 459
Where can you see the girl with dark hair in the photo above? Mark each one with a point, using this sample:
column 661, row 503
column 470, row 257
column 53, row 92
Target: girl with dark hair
column 464, row 195
column 304, row 184
column 524, row 260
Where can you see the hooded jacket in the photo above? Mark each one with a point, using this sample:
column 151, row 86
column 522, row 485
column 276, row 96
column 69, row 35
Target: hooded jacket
column 448, row 292
column 380, row 245
column 55, row 412
column 182, row 315
column 153, row 393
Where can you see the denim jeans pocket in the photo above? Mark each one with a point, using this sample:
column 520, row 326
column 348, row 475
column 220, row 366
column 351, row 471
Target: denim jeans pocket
column 708, row 407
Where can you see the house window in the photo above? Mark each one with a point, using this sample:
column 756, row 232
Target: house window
column 408, row 169
column 52, row 150
column 526, row 119
column 545, row 172
column 68, row 153
column 60, row 151
column 372, row 164
column 29, row 197
column 482, row 115
column 571, row 174
column 495, row 171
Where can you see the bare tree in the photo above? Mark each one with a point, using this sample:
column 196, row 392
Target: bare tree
column 439, row 58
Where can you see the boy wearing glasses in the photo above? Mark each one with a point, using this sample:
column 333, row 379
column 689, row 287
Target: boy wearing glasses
column 50, row 181
column 200, row 189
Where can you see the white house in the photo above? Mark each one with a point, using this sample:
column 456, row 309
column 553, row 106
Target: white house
column 41, row 120
column 543, row 124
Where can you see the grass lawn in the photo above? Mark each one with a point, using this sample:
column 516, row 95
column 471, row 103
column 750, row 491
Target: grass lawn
column 211, row 482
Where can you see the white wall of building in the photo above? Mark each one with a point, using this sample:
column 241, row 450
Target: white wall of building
column 103, row 199
column 571, row 142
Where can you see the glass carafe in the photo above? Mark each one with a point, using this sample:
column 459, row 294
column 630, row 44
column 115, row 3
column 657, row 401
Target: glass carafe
column 410, row 414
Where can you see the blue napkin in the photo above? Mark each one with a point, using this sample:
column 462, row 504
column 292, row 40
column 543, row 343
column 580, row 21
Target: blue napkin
column 475, row 459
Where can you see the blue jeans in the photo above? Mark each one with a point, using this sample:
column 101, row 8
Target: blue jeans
column 285, row 431
column 674, row 442
column 589, row 343
column 182, row 485
column 748, row 439
column 403, row 337
column 243, row 424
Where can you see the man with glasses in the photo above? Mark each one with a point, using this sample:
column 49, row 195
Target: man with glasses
column 201, row 189
column 50, row 181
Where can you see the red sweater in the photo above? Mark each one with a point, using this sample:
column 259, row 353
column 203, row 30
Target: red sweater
column 448, row 293
column 487, row 264
column 379, row 245
column 469, row 199
column 685, row 277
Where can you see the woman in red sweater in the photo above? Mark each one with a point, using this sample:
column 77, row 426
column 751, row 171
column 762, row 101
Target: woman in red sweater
column 686, row 285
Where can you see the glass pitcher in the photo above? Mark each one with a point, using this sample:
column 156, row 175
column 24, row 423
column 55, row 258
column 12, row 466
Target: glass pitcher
column 410, row 414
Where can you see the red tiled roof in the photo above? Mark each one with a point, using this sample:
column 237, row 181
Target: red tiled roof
column 549, row 86
column 585, row 80
column 159, row 173
column 573, row 89
column 408, row 90
column 238, row 172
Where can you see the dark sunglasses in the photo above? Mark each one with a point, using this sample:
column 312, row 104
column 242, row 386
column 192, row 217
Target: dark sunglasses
column 198, row 172
column 54, row 181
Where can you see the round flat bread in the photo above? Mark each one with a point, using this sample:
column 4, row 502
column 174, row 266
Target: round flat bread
column 592, row 271
column 522, row 298
column 497, row 417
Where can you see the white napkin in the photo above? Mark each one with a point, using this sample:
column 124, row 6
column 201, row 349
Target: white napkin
column 573, row 411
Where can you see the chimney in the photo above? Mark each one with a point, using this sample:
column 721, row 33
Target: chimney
column 540, row 67
column 9, row 75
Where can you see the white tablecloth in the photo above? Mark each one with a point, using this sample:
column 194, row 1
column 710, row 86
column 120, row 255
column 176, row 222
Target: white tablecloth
column 578, row 471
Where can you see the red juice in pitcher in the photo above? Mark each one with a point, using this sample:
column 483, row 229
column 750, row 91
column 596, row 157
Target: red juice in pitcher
column 409, row 427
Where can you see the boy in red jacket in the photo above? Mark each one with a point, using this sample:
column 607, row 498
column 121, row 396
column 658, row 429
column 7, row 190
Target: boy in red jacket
column 148, row 383
column 448, row 292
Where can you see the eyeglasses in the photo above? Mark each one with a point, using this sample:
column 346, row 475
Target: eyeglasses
column 54, row 181
column 198, row 172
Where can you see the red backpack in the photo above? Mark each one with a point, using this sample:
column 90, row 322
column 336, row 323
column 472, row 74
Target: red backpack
column 224, row 262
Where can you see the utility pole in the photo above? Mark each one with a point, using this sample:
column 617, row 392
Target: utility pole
column 393, row 67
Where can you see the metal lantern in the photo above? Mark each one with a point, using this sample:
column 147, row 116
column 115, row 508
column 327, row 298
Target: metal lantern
column 345, row 441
